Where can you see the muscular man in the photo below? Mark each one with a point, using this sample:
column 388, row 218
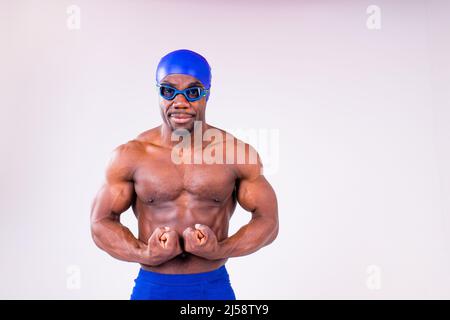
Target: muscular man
column 183, row 208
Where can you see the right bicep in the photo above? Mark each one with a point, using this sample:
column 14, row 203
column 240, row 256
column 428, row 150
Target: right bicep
column 116, row 194
column 112, row 200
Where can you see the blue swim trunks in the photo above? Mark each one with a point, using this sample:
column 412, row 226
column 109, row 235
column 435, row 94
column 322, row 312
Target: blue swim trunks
column 211, row 285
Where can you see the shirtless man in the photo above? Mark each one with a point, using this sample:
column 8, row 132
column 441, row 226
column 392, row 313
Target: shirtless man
column 183, row 209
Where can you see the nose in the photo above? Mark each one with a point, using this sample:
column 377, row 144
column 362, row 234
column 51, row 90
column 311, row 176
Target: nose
column 180, row 102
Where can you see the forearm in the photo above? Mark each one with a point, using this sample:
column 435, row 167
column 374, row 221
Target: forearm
column 118, row 241
column 259, row 232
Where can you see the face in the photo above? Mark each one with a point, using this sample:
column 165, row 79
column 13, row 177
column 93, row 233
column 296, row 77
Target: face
column 180, row 113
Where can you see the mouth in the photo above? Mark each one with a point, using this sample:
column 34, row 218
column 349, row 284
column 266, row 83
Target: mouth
column 181, row 118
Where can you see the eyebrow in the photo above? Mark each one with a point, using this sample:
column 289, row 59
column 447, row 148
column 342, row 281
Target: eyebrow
column 195, row 83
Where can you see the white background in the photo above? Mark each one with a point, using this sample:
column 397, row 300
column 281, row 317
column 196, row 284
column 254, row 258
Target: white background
column 363, row 117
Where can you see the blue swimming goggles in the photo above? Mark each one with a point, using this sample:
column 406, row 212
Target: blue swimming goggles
column 191, row 94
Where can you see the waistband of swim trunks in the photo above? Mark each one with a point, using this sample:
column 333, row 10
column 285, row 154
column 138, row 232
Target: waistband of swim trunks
column 178, row 279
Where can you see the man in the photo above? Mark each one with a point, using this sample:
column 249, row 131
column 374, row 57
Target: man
column 183, row 207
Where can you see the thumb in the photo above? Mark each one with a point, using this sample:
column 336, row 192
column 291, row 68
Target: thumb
column 163, row 234
column 203, row 230
column 157, row 234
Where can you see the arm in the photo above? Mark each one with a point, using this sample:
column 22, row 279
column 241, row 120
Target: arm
column 114, row 198
column 256, row 195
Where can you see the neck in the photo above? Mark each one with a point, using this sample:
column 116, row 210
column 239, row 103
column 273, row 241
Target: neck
column 196, row 134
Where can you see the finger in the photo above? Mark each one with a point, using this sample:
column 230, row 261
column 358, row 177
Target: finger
column 160, row 231
column 172, row 238
column 166, row 241
column 188, row 232
column 157, row 233
column 160, row 236
column 204, row 230
column 199, row 231
column 164, row 231
column 164, row 236
column 188, row 236
column 163, row 241
column 199, row 235
column 172, row 234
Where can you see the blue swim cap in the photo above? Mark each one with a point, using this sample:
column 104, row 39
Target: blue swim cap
column 185, row 62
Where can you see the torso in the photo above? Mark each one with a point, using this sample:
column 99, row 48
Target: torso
column 179, row 196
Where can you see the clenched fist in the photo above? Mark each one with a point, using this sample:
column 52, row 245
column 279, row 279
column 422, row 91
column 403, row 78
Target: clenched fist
column 201, row 242
column 163, row 245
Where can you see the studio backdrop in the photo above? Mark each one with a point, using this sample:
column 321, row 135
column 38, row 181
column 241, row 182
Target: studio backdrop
column 347, row 102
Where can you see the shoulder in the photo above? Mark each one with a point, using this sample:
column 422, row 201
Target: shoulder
column 248, row 165
column 127, row 151
column 242, row 156
column 222, row 136
column 149, row 136
column 123, row 159
column 135, row 147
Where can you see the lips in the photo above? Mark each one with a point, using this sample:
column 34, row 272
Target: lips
column 178, row 117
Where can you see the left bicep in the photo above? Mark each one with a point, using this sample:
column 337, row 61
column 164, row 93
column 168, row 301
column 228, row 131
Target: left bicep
column 257, row 196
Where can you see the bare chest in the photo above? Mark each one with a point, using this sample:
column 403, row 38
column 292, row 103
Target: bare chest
column 160, row 180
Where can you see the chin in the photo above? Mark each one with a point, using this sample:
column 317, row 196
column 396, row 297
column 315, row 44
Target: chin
column 182, row 128
column 187, row 125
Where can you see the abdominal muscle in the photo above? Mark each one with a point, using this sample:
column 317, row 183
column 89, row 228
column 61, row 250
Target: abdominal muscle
column 178, row 218
column 186, row 263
